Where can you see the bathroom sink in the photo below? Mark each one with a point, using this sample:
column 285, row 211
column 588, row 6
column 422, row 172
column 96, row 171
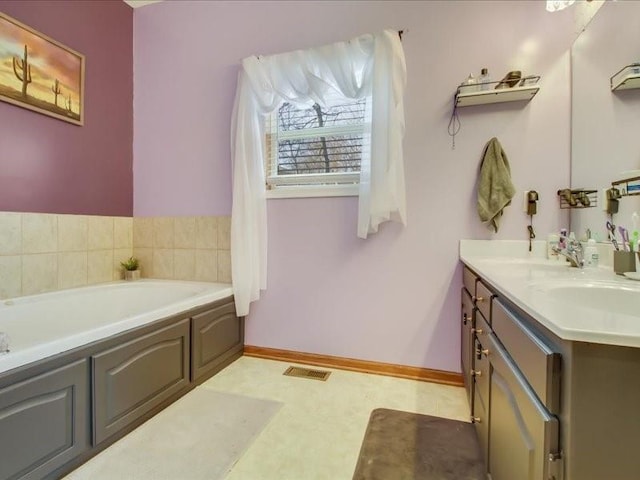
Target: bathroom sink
column 613, row 297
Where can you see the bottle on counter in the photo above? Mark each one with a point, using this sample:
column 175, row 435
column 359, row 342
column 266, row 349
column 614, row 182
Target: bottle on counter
column 591, row 256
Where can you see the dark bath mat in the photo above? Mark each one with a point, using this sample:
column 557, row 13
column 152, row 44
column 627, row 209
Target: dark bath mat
column 407, row 446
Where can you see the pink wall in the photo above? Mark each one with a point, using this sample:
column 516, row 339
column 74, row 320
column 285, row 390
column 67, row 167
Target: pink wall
column 394, row 297
column 52, row 166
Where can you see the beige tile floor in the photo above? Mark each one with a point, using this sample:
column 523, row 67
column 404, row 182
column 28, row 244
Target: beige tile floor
column 318, row 432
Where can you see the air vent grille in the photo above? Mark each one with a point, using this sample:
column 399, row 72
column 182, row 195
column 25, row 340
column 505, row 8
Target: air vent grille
column 307, row 373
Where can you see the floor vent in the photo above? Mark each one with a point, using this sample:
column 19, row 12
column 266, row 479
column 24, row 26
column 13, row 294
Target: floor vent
column 307, row 373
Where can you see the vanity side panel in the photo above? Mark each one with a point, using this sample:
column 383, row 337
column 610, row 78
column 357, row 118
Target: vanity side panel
column 605, row 426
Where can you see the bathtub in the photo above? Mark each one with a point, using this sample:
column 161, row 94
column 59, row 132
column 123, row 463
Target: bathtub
column 47, row 324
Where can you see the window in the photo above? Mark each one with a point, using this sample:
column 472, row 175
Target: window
column 316, row 150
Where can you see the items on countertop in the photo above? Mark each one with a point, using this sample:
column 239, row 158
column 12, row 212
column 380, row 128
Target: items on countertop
column 591, row 256
column 495, row 189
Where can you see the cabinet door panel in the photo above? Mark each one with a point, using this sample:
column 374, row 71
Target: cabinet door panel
column 44, row 422
column 539, row 364
column 217, row 335
column 466, row 347
column 523, row 433
column 131, row 379
column 482, row 420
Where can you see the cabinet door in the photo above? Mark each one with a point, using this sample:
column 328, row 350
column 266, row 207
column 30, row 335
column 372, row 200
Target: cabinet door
column 44, row 422
column 133, row 378
column 523, row 434
column 466, row 347
column 217, row 336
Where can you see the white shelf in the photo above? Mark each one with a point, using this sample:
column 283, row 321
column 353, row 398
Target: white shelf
column 483, row 97
column 626, row 79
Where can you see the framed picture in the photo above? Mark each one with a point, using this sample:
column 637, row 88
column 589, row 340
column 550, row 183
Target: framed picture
column 40, row 74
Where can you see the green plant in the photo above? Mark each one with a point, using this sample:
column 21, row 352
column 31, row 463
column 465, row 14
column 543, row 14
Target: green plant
column 132, row 264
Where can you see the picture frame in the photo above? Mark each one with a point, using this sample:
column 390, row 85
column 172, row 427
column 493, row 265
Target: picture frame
column 39, row 73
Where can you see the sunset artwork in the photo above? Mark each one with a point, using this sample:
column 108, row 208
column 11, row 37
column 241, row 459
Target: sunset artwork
column 39, row 73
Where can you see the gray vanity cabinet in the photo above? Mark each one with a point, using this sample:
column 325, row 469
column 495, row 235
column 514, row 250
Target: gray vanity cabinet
column 523, row 433
column 217, row 337
column 133, row 378
column 44, row 421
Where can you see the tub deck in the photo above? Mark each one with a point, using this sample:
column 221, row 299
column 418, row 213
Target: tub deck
column 47, row 324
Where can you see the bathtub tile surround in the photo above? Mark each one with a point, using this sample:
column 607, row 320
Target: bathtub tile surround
column 46, row 252
column 183, row 248
column 10, row 233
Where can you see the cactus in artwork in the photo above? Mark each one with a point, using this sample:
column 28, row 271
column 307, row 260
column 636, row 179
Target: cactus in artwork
column 69, row 104
column 22, row 70
column 55, row 88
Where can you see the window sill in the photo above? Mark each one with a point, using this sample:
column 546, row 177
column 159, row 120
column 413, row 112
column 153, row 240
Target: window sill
column 311, row 191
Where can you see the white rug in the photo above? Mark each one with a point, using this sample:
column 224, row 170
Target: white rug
column 200, row 437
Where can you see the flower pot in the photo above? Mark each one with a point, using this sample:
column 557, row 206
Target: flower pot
column 131, row 275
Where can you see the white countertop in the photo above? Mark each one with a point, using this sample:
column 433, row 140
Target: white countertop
column 526, row 278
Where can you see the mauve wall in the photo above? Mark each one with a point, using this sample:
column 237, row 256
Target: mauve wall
column 394, row 297
column 56, row 167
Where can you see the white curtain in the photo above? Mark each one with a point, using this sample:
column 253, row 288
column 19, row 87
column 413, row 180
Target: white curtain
column 369, row 65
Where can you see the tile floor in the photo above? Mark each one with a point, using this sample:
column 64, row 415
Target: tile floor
column 318, row 432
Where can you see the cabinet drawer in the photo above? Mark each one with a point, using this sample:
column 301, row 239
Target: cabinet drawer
column 44, row 422
column 538, row 363
column 469, row 280
column 524, row 435
column 133, row 378
column 216, row 335
column 483, row 300
column 466, row 350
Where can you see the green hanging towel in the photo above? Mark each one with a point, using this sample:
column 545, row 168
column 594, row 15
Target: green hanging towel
column 495, row 189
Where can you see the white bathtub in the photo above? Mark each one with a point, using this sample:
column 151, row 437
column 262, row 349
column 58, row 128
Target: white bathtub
column 42, row 325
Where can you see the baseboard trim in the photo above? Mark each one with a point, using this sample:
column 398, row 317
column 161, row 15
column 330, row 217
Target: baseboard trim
column 352, row 364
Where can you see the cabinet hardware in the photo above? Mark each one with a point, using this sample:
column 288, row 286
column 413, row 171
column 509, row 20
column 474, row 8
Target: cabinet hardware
column 464, row 318
column 556, row 467
column 476, row 330
column 485, row 351
column 476, row 373
column 475, row 419
column 478, row 299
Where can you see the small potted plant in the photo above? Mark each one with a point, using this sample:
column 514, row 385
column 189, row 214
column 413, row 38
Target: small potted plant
column 131, row 269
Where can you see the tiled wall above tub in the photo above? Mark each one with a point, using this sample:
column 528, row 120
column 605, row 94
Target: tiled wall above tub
column 183, row 248
column 44, row 252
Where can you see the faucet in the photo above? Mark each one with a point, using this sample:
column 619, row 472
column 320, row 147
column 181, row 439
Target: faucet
column 572, row 251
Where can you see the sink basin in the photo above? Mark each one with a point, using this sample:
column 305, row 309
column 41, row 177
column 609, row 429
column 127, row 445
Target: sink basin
column 612, row 297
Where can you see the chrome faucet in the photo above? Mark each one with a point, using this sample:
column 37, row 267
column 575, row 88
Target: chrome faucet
column 572, row 251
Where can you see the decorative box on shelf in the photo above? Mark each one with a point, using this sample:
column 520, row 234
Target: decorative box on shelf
column 627, row 78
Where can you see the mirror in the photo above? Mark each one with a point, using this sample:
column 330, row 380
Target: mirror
column 605, row 130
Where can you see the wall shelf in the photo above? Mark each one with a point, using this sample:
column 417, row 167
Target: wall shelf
column 627, row 78
column 493, row 95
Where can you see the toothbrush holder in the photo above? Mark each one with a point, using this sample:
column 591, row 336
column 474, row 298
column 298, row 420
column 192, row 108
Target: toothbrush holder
column 624, row 262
